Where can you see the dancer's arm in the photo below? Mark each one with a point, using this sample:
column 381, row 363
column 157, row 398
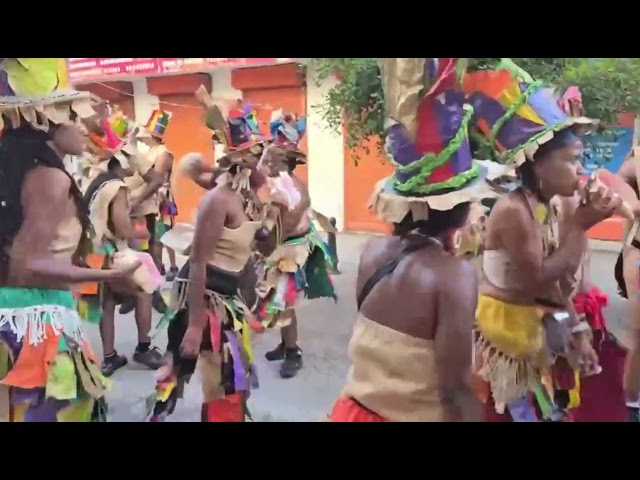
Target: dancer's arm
column 511, row 223
column 45, row 195
column 155, row 177
column 119, row 215
column 211, row 217
column 457, row 301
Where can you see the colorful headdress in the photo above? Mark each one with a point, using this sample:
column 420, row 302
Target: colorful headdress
column 287, row 132
column 156, row 125
column 118, row 122
column 238, row 131
column 31, row 90
column 427, row 141
column 516, row 113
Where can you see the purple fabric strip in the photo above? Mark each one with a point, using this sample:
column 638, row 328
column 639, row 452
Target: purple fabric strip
column 8, row 338
column 403, row 150
column 514, row 132
column 240, row 379
column 522, row 410
column 546, row 107
column 40, row 409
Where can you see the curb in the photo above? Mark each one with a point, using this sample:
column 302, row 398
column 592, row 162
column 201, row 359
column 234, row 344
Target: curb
column 605, row 246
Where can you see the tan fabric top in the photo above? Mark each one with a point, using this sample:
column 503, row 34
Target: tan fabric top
column 136, row 183
column 69, row 235
column 99, row 213
column 393, row 374
column 235, row 247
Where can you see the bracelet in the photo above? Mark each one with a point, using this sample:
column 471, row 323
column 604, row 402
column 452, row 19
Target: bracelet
column 581, row 327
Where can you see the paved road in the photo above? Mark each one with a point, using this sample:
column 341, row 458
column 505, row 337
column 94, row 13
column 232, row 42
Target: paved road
column 325, row 328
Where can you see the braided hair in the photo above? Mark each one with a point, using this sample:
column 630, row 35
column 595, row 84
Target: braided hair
column 21, row 150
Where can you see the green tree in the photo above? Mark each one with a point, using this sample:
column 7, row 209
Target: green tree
column 609, row 86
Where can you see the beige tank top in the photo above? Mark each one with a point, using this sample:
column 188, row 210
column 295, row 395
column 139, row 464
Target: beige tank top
column 69, row 234
column 393, row 374
column 99, row 207
column 500, row 271
column 137, row 184
column 235, row 247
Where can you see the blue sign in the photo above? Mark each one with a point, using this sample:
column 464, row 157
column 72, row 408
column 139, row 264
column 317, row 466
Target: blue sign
column 607, row 150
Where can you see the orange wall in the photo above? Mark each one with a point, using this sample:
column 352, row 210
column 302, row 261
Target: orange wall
column 359, row 181
column 186, row 133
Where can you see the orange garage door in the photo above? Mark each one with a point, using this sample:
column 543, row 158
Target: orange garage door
column 186, row 133
column 359, row 181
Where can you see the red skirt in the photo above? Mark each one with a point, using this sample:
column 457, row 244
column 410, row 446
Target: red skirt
column 602, row 396
column 348, row 410
column 228, row 409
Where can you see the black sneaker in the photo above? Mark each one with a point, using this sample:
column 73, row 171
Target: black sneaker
column 276, row 354
column 152, row 358
column 292, row 363
column 128, row 306
column 171, row 276
column 158, row 303
column 112, row 363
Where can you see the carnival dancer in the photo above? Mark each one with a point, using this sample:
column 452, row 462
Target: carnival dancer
column 532, row 248
column 103, row 140
column 209, row 319
column 411, row 346
column 152, row 174
column 108, row 199
column 300, row 263
column 48, row 371
column 595, row 398
column 627, row 276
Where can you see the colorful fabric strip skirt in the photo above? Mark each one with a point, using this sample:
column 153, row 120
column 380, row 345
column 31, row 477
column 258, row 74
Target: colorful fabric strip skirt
column 47, row 369
column 300, row 265
column 226, row 356
column 515, row 374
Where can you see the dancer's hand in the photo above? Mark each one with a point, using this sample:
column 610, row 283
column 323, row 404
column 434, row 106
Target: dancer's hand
column 598, row 203
column 120, row 272
column 589, row 362
column 190, row 346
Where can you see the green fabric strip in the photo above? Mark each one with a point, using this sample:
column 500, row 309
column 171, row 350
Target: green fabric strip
column 22, row 297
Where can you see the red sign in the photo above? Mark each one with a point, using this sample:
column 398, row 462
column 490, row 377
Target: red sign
column 91, row 69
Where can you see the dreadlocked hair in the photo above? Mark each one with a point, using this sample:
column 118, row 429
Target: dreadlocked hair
column 21, row 150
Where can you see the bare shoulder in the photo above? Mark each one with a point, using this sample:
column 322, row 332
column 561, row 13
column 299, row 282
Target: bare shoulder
column 449, row 268
column 50, row 183
column 300, row 185
column 507, row 211
column 377, row 244
column 508, row 205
